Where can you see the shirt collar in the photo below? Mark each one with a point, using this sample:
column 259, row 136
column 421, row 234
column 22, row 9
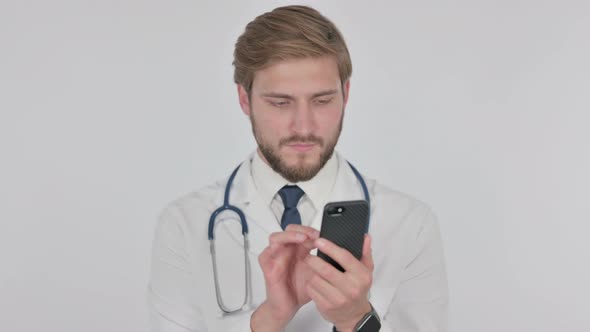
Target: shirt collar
column 268, row 182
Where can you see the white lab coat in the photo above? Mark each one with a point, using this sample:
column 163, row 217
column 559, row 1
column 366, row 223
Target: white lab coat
column 409, row 288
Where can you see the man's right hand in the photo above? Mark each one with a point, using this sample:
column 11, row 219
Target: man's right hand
column 285, row 276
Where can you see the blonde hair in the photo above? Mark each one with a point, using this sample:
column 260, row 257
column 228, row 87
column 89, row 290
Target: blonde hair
column 285, row 33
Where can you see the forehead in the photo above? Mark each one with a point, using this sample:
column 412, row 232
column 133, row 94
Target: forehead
column 303, row 76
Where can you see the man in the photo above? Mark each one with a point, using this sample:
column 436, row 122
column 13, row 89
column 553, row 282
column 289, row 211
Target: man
column 292, row 71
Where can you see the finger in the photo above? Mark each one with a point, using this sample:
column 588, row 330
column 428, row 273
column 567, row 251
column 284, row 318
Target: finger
column 264, row 256
column 328, row 292
column 279, row 256
column 340, row 255
column 267, row 258
column 279, row 251
column 320, row 301
column 367, row 258
column 282, row 247
column 304, row 248
column 327, row 272
column 281, row 238
column 309, row 231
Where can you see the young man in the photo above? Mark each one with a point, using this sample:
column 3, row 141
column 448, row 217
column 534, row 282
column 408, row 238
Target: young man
column 292, row 71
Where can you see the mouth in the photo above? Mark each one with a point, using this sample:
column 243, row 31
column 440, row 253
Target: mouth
column 301, row 147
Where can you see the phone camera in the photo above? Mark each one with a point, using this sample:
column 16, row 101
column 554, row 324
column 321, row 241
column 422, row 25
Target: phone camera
column 335, row 211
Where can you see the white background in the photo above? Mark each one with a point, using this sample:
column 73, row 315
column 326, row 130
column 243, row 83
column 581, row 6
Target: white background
column 111, row 109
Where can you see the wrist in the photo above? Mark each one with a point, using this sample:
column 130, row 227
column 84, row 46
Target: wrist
column 350, row 324
column 265, row 320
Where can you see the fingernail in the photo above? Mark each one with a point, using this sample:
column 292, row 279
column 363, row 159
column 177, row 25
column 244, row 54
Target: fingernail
column 300, row 236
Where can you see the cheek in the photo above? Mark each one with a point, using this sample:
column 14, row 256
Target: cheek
column 269, row 120
column 270, row 127
column 330, row 121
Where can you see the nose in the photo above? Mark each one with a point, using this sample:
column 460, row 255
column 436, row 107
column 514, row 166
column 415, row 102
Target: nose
column 303, row 120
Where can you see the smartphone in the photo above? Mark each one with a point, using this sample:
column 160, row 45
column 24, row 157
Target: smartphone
column 345, row 224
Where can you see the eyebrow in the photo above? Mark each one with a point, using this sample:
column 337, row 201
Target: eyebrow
column 287, row 96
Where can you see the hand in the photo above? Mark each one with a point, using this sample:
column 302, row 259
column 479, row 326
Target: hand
column 341, row 297
column 285, row 276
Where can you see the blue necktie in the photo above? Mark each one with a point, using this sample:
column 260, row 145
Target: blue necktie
column 291, row 196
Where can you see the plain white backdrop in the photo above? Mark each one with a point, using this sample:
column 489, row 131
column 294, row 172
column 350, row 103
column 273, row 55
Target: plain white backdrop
column 111, row 109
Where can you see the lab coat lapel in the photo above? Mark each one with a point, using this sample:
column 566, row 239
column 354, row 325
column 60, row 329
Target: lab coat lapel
column 261, row 221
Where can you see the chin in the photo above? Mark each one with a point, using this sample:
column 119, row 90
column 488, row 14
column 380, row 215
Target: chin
column 306, row 164
column 307, row 158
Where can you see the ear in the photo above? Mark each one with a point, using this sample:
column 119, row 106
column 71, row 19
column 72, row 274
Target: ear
column 244, row 100
column 345, row 91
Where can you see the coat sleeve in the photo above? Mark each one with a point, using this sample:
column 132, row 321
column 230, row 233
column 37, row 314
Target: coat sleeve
column 172, row 291
column 421, row 301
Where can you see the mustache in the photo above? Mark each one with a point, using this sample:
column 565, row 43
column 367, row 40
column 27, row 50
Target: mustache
column 310, row 139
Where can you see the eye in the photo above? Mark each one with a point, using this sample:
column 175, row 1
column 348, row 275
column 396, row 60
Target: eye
column 323, row 101
column 279, row 103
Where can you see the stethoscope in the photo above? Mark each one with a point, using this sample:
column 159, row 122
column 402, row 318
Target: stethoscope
column 227, row 207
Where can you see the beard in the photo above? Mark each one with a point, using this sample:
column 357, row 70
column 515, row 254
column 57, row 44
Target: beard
column 301, row 171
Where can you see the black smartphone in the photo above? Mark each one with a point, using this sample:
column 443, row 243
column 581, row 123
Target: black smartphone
column 345, row 224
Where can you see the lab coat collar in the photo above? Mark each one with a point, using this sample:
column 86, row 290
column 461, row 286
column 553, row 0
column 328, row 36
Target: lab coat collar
column 267, row 181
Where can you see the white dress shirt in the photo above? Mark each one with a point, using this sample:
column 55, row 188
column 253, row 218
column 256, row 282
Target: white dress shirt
column 317, row 190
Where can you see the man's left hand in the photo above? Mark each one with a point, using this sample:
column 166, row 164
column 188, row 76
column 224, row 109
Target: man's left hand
column 341, row 297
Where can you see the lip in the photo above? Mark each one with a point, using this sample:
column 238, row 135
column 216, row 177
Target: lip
column 301, row 147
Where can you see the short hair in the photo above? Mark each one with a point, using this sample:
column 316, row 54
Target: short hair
column 285, row 33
